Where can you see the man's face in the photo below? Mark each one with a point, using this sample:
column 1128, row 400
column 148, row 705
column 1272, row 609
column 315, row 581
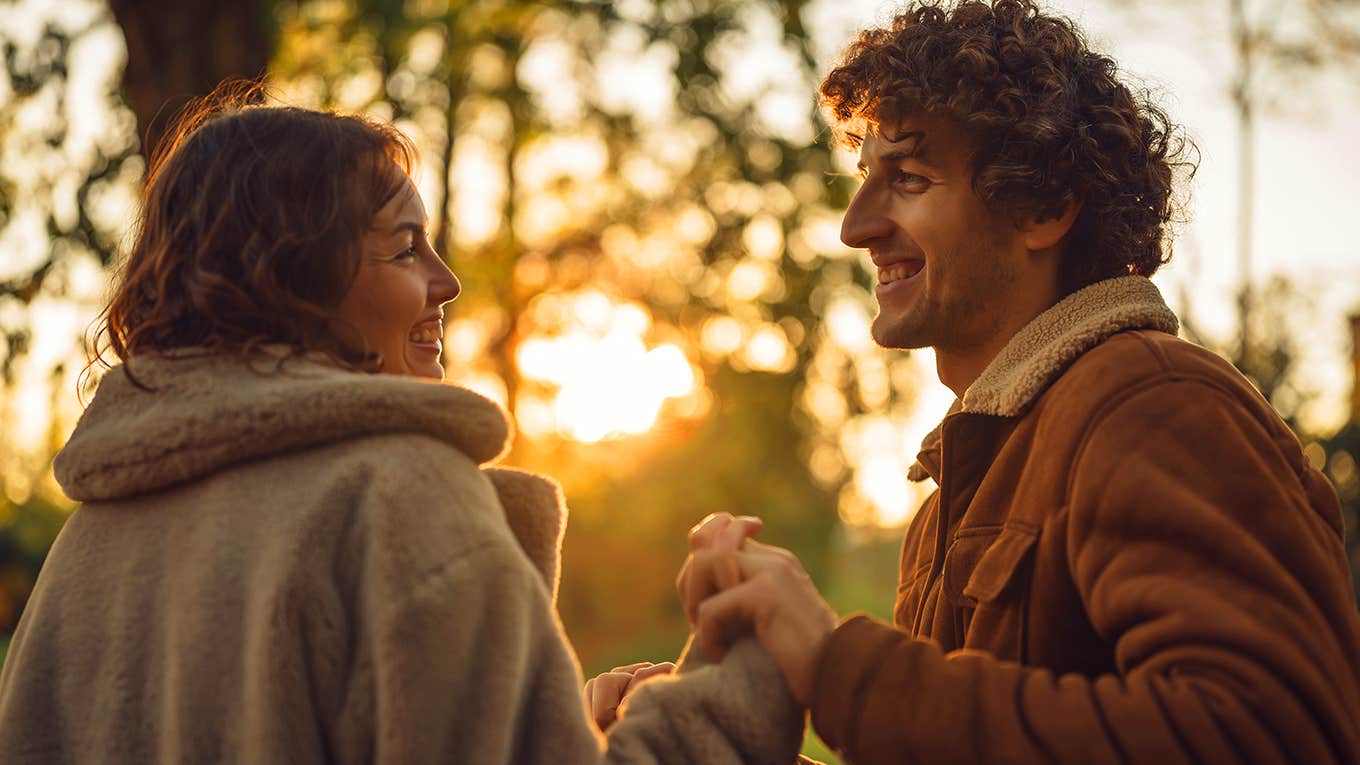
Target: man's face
column 946, row 264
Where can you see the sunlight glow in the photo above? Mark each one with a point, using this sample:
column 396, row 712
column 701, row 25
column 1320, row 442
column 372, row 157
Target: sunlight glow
column 606, row 382
column 768, row 350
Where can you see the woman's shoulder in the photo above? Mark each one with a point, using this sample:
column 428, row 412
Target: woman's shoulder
column 426, row 499
column 185, row 418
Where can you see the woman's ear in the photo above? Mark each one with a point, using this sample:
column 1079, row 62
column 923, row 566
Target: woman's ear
column 1044, row 233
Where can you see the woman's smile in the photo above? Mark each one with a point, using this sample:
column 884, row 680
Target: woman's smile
column 428, row 335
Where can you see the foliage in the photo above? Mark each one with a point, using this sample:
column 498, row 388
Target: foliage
column 615, row 158
column 1339, row 458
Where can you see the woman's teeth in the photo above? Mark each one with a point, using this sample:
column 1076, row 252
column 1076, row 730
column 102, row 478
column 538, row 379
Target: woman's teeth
column 897, row 271
column 427, row 335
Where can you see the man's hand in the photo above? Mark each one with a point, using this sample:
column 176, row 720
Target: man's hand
column 606, row 692
column 710, row 542
column 730, row 582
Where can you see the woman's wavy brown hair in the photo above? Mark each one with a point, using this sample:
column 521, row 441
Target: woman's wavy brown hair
column 1049, row 122
column 250, row 232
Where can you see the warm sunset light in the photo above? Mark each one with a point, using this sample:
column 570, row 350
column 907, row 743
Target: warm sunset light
column 601, row 377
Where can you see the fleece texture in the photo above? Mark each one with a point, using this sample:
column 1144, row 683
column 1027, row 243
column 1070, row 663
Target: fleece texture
column 1128, row 560
column 283, row 561
column 1042, row 349
column 1055, row 338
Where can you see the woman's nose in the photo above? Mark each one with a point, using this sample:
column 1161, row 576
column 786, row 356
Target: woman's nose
column 444, row 286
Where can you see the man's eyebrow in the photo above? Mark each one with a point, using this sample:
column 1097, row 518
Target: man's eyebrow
column 916, row 150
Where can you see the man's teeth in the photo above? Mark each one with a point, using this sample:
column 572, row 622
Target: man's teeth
column 428, row 335
column 897, row 271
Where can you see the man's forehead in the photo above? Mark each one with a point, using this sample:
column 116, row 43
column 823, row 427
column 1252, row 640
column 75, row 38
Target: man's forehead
column 904, row 138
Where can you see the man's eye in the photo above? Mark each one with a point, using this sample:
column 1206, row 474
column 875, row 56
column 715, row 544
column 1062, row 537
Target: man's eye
column 904, row 178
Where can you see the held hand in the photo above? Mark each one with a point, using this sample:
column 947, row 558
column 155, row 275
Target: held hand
column 710, row 567
column 777, row 600
column 605, row 693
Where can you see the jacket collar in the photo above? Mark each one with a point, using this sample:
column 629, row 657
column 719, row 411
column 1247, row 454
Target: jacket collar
column 1041, row 351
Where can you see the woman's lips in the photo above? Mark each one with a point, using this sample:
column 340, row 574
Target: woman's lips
column 428, row 334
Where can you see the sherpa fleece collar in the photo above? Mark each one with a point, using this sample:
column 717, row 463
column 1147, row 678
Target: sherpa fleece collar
column 212, row 410
column 1044, row 348
column 209, row 411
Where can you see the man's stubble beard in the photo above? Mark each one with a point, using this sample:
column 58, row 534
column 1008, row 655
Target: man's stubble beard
column 959, row 321
column 914, row 330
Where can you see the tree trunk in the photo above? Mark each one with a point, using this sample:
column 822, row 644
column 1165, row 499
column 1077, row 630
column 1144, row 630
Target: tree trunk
column 180, row 50
column 1242, row 97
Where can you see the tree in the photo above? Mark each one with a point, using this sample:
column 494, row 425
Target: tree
column 616, row 186
column 179, row 50
column 628, row 177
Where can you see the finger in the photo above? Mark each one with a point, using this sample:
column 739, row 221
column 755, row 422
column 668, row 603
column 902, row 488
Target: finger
column 731, row 536
column 664, row 668
column 707, row 571
column 724, row 530
column 702, row 533
column 723, row 615
column 631, row 668
column 726, row 570
column 606, row 694
column 694, row 584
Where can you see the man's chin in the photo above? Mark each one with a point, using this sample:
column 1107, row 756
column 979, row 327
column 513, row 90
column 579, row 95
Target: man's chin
column 899, row 334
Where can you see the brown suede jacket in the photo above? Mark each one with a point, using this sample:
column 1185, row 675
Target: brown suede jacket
column 1128, row 560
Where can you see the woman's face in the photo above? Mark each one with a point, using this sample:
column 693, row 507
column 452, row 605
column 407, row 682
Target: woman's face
column 395, row 300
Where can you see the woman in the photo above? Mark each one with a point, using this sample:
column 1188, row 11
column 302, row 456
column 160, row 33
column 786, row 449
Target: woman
column 289, row 548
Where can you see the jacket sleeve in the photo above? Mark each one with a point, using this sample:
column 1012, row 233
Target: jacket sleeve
column 1201, row 560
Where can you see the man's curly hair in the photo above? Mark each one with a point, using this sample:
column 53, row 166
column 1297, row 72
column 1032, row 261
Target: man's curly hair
column 1048, row 119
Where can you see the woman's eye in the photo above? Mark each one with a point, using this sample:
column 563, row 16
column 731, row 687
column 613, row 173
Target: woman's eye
column 406, row 254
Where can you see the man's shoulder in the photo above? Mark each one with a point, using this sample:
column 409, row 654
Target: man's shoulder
column 1141, row 361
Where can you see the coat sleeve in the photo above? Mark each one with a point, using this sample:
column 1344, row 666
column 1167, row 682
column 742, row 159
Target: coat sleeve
column 1206, row 555
column 733, row 713
column 472, row 668
column 494, row 682
column 459, row 655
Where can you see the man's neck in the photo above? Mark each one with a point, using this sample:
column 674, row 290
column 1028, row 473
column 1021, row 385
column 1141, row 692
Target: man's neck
column 959, row 367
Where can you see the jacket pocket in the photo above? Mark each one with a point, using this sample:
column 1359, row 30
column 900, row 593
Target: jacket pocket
column 982, row 563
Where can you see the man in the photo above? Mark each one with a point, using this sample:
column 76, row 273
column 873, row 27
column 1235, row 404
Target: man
column 1127, row 559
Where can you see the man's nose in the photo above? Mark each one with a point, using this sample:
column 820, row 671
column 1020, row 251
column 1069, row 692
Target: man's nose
column 864, row 220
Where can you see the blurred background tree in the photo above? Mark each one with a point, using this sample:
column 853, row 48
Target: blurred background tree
column 644, row 222
column 643, row 204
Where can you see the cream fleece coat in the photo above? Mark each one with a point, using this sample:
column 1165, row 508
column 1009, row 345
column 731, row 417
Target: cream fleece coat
column 294, row 563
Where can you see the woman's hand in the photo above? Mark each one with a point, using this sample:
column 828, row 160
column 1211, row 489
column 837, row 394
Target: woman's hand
column 606, row 692
column 732, row 584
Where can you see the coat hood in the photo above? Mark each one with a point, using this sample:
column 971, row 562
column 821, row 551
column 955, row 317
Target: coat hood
column 207, row 411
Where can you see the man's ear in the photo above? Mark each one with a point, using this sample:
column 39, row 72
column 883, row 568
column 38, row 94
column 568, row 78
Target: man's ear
column 1042, row 234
